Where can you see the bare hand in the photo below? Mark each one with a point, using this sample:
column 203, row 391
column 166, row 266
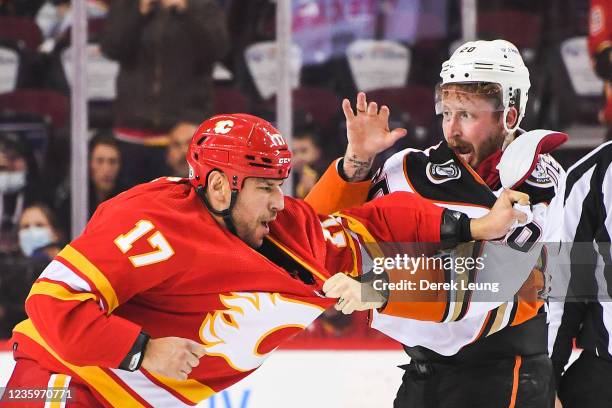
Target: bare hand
column 498, row 222
column 350, row 293
column 368, row 134
column 172, row 357
column 558, row 403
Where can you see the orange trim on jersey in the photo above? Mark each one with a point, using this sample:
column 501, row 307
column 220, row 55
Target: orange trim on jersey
column 472, row 171
column 439, row 201
column 425, row 311
column 332, row 193
column 298, row 259
column 101, row 283
column 515, row 380
column 58, row 291
column 525, row 311
column 414, row 303
column 102, row 383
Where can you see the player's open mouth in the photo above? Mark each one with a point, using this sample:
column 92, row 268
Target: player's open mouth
column 462, row 149
column 465, row 152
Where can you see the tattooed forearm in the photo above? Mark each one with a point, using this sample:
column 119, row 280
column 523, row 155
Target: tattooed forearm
column 356, row 168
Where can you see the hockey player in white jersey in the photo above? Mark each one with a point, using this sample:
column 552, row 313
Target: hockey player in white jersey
column 482, row 99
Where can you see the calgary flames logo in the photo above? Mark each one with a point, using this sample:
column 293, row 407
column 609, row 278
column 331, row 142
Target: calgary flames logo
column 246, row 332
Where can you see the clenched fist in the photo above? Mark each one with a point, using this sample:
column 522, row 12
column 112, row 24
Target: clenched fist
column 502, row 217
column 352, row 295
column 172, row 357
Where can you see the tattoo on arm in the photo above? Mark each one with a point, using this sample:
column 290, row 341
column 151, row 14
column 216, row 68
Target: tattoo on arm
column 357, row 169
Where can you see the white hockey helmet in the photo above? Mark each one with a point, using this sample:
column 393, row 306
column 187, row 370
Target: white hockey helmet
column 497, row 61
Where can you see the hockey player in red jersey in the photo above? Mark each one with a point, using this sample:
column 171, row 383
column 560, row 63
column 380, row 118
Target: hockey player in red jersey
column 179, row 288
column 600, row 48
column 456, row 352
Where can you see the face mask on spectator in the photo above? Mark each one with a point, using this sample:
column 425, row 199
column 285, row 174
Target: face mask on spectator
column 12, row 181
column 32, row 238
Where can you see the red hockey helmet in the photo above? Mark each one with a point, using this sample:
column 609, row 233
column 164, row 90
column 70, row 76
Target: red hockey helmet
column 240, row 146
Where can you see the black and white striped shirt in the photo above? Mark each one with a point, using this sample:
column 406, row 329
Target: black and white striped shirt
column 581, row 293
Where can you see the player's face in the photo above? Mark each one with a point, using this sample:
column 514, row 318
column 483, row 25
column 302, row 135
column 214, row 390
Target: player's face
column 256, row 206
column 471, row 127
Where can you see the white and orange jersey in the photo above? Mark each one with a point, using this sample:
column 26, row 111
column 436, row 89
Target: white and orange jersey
column 439, row 176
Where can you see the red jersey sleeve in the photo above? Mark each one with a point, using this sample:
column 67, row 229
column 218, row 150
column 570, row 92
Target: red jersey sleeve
column 356, row 235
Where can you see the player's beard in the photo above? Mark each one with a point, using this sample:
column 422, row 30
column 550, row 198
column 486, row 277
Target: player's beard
column 253, row 233
column 474, row 155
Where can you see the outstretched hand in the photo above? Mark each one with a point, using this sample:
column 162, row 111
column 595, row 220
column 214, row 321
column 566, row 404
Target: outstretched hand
column 368, row 134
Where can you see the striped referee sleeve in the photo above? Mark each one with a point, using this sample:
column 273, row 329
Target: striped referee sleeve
column 580, row 301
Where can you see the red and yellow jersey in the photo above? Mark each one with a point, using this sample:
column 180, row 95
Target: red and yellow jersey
column 154, row 259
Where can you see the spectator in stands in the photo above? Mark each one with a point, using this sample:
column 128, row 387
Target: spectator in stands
column 600, row 48
column 39, row 240
column 104, row 177
column 308, row 161
column 166, row 50
column 18, row 186
column 180, row 137
column 104, row 167
column 54, row 19
column 39, row 232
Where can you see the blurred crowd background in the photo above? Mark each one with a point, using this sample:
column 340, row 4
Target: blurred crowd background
column 156, row 68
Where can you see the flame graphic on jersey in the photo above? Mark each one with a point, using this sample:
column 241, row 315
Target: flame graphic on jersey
column 236, row 334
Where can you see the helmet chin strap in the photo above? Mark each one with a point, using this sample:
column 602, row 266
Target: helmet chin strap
column 226, row 214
